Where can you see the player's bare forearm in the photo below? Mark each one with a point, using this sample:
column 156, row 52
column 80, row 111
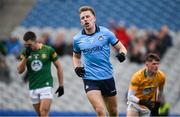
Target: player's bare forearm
column 59, row 72
column 22, row 66
column 120, row 48
column 131, row 96
column 76, row 60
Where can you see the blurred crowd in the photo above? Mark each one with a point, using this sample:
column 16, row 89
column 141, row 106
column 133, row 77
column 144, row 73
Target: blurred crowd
column 138, row 42
column 12, row 45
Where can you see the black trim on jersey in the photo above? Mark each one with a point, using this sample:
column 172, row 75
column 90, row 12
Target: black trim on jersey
column 76, row 52
column 115, row 43
column 96, row 31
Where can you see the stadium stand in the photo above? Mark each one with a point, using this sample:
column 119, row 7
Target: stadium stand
column 61, row 16
column 144, row 14
column 12, row 12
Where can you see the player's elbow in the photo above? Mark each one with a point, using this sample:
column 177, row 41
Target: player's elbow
column 20, row 71
column 57, row 65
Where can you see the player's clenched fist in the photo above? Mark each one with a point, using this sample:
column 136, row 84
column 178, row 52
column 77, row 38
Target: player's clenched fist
column 60, row 91
column 80, row 71
column 121, row 56
column 27, row 52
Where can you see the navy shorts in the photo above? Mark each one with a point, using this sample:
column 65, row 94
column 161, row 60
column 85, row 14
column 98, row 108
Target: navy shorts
column 107, row 87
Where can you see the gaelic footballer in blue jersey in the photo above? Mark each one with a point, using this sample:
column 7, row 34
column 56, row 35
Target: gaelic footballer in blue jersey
column 91, row 47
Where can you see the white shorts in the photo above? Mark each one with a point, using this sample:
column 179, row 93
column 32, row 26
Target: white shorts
column 42, row 93
column 136, row 108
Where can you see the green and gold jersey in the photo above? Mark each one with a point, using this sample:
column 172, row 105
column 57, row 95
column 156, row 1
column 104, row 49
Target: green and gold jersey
column 146, row 86
column 39, row 67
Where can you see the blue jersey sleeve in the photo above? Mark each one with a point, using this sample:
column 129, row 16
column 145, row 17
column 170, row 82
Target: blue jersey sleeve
column 112, row 38
column 76, row 48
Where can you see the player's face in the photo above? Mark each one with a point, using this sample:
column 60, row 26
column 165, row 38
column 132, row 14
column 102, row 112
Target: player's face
column 87, row 19
column 152, row 66
column 31, row 44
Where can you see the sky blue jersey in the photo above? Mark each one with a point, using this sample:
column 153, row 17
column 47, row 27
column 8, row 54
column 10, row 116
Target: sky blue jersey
column 95, row 52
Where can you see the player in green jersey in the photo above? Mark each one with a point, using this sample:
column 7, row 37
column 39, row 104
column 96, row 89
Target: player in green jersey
column 37, row 58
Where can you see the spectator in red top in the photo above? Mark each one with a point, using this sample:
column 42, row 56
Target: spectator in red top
column 121, row 33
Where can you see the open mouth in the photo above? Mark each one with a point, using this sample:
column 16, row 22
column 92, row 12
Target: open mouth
column 86, row 24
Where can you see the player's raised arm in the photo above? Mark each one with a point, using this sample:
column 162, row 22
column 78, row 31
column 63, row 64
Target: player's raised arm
column 24, row 56
column 22, row 66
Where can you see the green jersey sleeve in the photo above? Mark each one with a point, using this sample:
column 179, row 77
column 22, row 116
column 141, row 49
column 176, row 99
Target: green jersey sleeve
column 53, row 54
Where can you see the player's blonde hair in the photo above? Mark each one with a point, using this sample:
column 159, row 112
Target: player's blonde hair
column 86, row 8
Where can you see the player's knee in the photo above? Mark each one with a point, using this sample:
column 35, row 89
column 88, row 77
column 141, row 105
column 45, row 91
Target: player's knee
column 44, row 112
column 100, row 111
column 113, row 112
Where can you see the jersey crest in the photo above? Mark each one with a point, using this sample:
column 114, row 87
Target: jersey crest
column 148, row 90
column 36, row 65
column 100, row 38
